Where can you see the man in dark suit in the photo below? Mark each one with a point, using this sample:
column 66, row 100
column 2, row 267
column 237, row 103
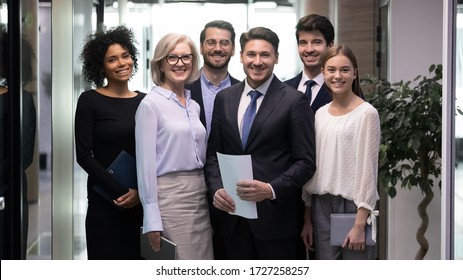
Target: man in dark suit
column 281, row 142
column 217, row 46
column 314, row 35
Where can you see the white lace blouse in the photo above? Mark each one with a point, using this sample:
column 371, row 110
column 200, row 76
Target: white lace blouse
column 347, row 156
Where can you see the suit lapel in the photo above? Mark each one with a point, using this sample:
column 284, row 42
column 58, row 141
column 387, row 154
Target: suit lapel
column 197, row 95
column 323, row 97
column 233, row 104
column 295, row 82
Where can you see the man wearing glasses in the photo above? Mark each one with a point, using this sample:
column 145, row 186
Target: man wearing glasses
column 217, row 41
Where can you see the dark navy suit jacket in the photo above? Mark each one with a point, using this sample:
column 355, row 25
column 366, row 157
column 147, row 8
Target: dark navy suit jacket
column 197, row 95
column 282, row 147
column 323, row 96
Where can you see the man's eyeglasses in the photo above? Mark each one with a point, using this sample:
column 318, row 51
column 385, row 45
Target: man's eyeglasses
column 173, row 59
column 224, row 43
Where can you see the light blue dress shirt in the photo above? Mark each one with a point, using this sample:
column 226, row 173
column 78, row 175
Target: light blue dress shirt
column 209, row 91
column 169, row 137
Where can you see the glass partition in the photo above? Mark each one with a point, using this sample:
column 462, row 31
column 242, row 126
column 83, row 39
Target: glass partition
column 4, row 156
column 37, row 183
column 21, row 185
column 459, row 136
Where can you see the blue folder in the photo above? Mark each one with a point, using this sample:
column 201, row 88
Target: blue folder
column 124, row 170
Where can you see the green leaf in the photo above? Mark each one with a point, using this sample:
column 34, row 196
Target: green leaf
column 411, row 126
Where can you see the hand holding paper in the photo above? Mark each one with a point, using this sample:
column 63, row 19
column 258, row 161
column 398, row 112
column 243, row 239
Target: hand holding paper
column 253, row 190
column 223, row 201
column 235, row 168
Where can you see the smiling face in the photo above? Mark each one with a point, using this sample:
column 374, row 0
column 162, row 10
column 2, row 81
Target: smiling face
column 217, row 48
column 311, row 46
column 118, row 64
column 258, row 58
column 178, row 73
column 339, row 74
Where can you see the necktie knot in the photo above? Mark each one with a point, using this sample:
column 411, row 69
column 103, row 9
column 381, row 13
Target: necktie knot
column 308, row 90
column 254, row 95
column 310, row 83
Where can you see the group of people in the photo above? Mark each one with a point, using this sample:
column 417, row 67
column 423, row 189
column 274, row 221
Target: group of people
column 313, row 142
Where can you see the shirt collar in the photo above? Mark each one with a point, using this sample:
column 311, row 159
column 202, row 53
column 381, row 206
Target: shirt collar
column 262, row 88
column 319, row 79
column 170, row 94
column 224, row 83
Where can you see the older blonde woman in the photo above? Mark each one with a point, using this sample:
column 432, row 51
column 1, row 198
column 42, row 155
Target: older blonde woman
column 171, row 152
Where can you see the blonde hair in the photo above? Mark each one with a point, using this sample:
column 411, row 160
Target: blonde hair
column 163, row 48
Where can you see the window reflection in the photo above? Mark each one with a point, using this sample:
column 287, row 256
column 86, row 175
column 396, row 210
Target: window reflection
column 18, row 189
column 33, row 222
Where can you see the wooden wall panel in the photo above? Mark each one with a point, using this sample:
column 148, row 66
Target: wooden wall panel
column 355, row 25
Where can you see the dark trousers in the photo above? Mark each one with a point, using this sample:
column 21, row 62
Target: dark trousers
column 218, row 242
column 243, row 245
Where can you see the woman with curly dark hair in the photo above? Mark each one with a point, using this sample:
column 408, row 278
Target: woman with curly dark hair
column 105, row 126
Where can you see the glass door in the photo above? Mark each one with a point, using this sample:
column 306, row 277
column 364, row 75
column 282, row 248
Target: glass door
column 18, row 112
column 39, row 236
column 4, row 123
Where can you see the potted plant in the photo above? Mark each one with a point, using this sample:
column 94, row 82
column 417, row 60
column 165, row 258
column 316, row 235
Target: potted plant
column 410, row 150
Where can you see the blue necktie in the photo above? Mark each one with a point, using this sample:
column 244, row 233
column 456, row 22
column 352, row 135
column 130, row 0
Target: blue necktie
column 308, row 90
column 249, row 115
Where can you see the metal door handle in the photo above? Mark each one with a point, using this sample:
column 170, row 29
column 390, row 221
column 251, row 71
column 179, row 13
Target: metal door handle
column 2, row 203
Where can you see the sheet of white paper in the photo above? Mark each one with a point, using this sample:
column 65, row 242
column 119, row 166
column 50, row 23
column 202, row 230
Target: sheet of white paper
column 234, row 168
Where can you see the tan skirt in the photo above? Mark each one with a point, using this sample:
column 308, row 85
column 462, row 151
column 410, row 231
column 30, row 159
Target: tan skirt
column 185, row 214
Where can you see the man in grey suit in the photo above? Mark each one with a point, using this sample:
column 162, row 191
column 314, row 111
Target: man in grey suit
column 281, row 142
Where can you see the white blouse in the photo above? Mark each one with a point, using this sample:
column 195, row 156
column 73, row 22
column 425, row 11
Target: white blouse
column 347, row 156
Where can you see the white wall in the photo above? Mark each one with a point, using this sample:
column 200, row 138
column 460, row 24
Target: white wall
column 415, row 43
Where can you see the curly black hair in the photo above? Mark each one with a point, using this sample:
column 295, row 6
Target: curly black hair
column 95, row 48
